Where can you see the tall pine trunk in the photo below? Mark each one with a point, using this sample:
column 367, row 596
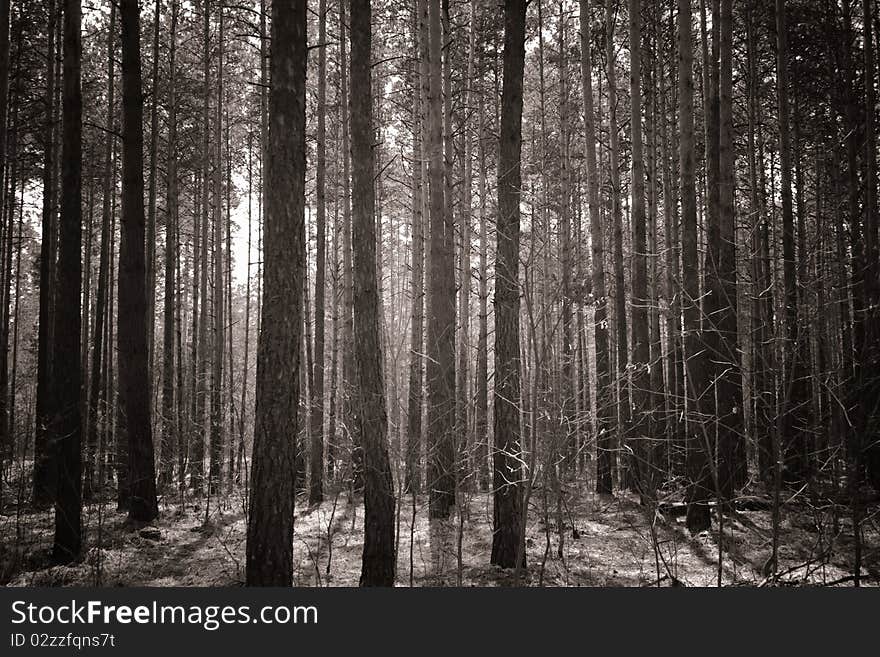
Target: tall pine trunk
column 377, row 567
column 132, row 307
column 507, row 516
column 605, row 455
column 66, row 427
column 269, row 550
column 440, row 374
column 169, row 420
column 697, row 457
column 45, row 464
column 316, row 478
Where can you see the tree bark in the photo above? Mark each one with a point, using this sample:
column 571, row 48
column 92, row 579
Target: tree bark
column 316, row 480
column 66, row 428
column 269, row 550
column 507, row 510
column 698, row 491
column 45, row 464
column 132, row 307
column 620, row 320
column 641, row 392
column 169, row 421
column 377, row 565
column 96, row 380
column 605, row 454
column 412, row 481
column 440, row 374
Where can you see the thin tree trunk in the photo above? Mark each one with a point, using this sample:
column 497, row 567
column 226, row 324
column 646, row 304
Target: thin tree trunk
column 792, row 432
column 622, row 339
column 605, row 454
column 641, row 346
column 215, row 457
column 152, row 193
column 169, row 421
column 348, row 365
column 316, row 481
column 412, row 480
column 481, row 410
column 97, row 380
column 698, row 492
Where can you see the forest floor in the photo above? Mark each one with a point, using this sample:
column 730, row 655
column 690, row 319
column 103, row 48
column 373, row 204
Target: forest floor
column 605, row 541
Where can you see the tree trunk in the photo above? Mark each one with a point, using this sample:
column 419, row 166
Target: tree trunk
column 440, row 374
column 377, row 566
column 316, row 481
column 348, row 365
column 103, row 271
column 793, row 433
column 134, row 374
column 622, row 339
column 66, row 427
column 641, row 392
column 720, row 304
column 412, row 482
column 169, row 421
column 507, row 509
column 269, row 551
column 199, row 430
column 152, row 193
column 698, row 491
column 605, row 454
column 45, row 462
column 481, row 380
column 215, row 457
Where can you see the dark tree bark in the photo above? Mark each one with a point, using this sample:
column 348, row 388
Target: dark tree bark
column 4, row 89
column 440, row 368
column 507, row 514
column 761, row 329
column 377, row 566
column 794, row 387
column 5, row 429
column 45, row 463
column 728, row 377
column 270, row 521
column 134, row 375
column 869, row 386
column 66, row 428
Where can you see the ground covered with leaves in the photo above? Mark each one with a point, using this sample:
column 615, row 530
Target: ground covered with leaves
column 586, row 540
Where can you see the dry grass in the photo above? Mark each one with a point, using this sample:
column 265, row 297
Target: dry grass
column 605, row 542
